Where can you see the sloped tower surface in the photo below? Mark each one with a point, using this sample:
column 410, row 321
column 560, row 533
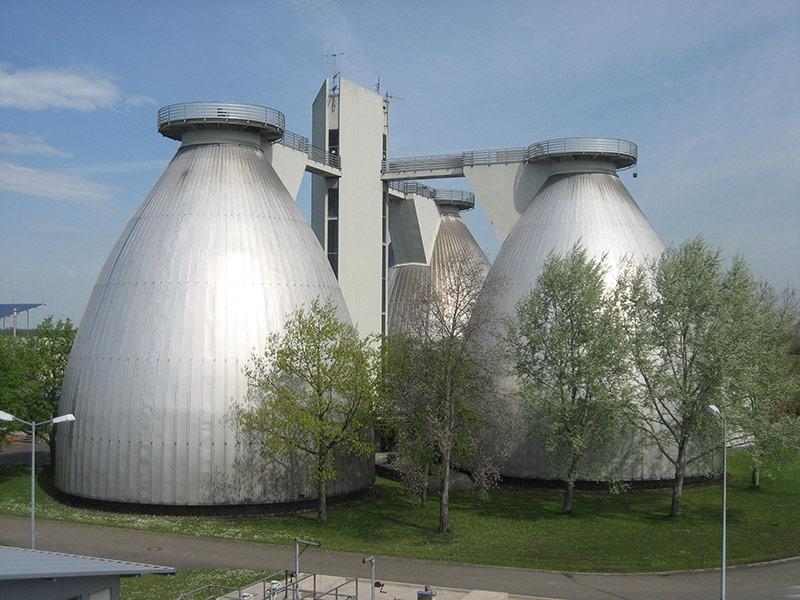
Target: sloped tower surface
column 583, row 200
column 406, row 283
column 455, row 253
column 209, row 265
column 590, row 207
column 455, row 250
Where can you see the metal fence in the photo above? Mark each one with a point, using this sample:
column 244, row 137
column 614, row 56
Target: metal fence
column 221, row 111
column 463, row 198
column 626, row 152
column 301, row 144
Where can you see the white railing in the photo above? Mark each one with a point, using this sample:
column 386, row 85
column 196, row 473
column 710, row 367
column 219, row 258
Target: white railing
column 301, row 144
column 192, row 112
column 465, row 199
column 625, row 153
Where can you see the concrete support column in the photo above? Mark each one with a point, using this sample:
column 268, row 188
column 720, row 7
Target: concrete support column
column 505, row 190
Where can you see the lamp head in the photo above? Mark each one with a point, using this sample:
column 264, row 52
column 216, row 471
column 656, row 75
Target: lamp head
column 64, row 418
column 4, row 416
column 712, row 408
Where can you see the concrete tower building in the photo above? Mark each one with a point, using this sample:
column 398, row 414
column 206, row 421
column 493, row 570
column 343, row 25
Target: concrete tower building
column 209, row 265
column 349, row 213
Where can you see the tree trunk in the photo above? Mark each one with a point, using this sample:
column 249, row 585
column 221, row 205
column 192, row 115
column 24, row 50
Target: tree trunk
column 322, row 501
column 567, row 508
column 444, row 494
column 677, row 492
column 570, row 482
column 322, row 492
column 755, row 478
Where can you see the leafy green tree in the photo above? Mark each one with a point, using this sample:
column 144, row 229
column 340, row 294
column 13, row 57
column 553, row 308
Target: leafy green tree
column 314, row 392
column 768, row 387
column 571, row 358
column 442, row 385
column 685, row 316
column 31, row 373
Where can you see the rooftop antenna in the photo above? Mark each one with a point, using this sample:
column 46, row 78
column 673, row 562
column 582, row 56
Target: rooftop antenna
column 336, row 74
column 387, row 96
column 378, row 85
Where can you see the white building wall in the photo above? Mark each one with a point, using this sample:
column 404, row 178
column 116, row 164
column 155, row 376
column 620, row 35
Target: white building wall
column 361, row 118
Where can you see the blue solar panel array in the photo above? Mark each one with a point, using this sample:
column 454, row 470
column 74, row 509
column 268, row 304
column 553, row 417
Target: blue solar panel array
column 6, row 310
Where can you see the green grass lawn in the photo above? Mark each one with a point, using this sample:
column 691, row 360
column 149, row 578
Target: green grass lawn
column 155, row 587
column 629, row 532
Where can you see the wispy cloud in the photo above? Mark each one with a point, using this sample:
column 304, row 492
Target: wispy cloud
column 70, row 88
column 61, row 231
column 42, row 88
column 11, row 143
column 137, row 100
column 64, row 187
column 326, row 21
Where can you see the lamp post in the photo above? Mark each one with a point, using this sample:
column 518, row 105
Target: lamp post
column 4, row 416
column 297, row 553
column 716, row 411
column 371, row 561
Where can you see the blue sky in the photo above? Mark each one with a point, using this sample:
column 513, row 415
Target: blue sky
column 710, row 91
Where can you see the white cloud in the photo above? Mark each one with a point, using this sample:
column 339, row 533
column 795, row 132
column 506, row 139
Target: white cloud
column 42, row 88
column 11, row 143
column 64, row 187
column 138, row 100
column 56, row 230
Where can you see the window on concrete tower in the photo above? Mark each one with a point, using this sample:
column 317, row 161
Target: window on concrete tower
column 333, row 141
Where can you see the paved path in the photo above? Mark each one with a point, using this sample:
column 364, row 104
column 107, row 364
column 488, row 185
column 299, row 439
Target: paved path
column 778, row 580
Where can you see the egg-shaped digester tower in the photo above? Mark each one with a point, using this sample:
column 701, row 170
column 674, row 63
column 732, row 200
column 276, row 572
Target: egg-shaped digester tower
column 582, row 201
column 454, row 253
column 210, row 264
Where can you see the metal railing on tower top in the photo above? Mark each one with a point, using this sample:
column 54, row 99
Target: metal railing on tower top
column 622, row 152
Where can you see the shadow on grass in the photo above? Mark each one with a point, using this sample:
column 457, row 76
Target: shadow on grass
column 9, row 472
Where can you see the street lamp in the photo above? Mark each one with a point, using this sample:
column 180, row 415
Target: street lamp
column 716, row 411
column 371, row 561
column 297, row 553
column 4, row 416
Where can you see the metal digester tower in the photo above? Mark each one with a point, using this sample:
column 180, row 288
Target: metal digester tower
column 209, row 265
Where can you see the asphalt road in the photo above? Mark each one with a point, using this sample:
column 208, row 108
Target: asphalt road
column 777, row 580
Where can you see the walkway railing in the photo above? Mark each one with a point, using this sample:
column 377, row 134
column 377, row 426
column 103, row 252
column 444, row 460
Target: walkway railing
column 189, row 112
column 462, row 198
column 622, row 152
column 301, row 144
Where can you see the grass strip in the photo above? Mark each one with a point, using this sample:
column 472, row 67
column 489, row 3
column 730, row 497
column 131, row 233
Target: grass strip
column 629, row 532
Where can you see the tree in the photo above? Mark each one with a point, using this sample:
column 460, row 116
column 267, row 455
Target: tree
column 571, row 358
column 314, row 392
column 32, row 371
column 685, row 317
column 768, row 386
column 441, row 381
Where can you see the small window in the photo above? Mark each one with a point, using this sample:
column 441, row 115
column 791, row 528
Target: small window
column 333, row 203
column 104, row 594
column 333, row 141
column 333, row 236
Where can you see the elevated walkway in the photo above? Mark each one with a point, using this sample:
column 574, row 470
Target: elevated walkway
column 318, row 161
column 621, row 152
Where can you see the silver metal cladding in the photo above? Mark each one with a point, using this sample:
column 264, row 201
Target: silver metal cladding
column 209, row 265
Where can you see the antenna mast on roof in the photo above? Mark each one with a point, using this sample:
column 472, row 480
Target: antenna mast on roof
column 336, row 74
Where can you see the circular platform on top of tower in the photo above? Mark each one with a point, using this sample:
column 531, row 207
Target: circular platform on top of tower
column 622, row 153
column 460, row 199
column 175, row 119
